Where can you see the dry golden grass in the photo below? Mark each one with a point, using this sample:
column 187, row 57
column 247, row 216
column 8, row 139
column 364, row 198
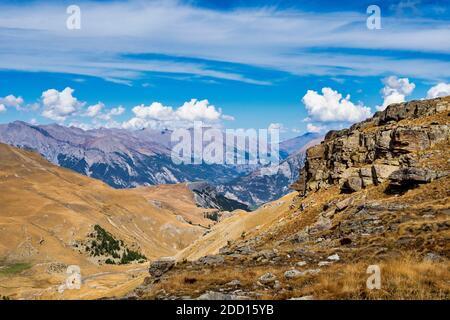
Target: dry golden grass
column 404, row 278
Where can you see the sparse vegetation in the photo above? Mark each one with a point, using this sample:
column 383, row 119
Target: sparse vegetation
column 15, row 268
column 105, row 245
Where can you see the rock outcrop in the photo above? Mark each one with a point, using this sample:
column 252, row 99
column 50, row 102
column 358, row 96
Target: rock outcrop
column 386, row 146
column 161, row 266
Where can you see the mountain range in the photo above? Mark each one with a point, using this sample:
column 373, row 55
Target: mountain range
column 126, row 159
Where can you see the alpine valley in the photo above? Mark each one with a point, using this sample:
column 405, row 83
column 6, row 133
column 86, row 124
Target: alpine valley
column 137, row 226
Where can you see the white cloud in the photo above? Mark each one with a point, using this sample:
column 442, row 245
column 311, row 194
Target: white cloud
column 99, row 113
column 395, row 90
column 94, row 110
column 58, row 105
column 196, row 110
column 228, row 117
column 314, row 128
column 439, row 90
column 155, row 111
column 331, row 107
column 2, row 108
column 116, row 111
column 11, row 101
column 157, row 115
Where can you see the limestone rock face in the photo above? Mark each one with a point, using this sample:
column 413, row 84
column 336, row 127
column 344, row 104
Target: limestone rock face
column 370, row 151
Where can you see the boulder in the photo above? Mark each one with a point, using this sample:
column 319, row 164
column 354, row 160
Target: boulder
column 412, row 176
column 161, row 266
column 301, row 264
column 292, row 274
column 341, row 205
column 334, row 257
column 233, row 283
column 212, row 260
column 352, row 184
column 381, row 172
column 267, row 278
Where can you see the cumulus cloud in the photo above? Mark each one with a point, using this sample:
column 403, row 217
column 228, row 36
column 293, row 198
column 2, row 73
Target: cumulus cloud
column 196, row 110
column 395, row 90
column 94, row 110
column 155, row 111
column 330, row 106
column 10, row 101
column 439, row 90
column 99, row 113
column 58, row 105
column 157, row 115
column 116, row 111
column 314, row 128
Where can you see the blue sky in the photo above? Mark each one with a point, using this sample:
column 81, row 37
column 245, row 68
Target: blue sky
column 140, row 63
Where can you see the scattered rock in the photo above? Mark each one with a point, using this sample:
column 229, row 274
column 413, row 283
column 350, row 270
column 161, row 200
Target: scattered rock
column 433, row 257
column 212, row 260
column 292, row 274
column 341, row 205
column 161, row 266
column 311, row 271
column 334, row 257
column 233, row 283
column 301, row 263
column 267, row 278
column 246, row 250
column 212, row 295
column 277, row 285
column 303, row 298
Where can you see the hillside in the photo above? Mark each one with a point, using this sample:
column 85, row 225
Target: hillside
column 50, row 218
column 374, row 194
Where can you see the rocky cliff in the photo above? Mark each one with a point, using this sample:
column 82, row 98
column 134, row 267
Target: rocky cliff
column 389, row 145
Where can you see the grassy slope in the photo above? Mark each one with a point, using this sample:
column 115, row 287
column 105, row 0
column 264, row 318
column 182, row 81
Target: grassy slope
column 46, row 208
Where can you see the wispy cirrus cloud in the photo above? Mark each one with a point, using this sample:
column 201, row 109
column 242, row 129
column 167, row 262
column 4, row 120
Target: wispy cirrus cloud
column 34, row 38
